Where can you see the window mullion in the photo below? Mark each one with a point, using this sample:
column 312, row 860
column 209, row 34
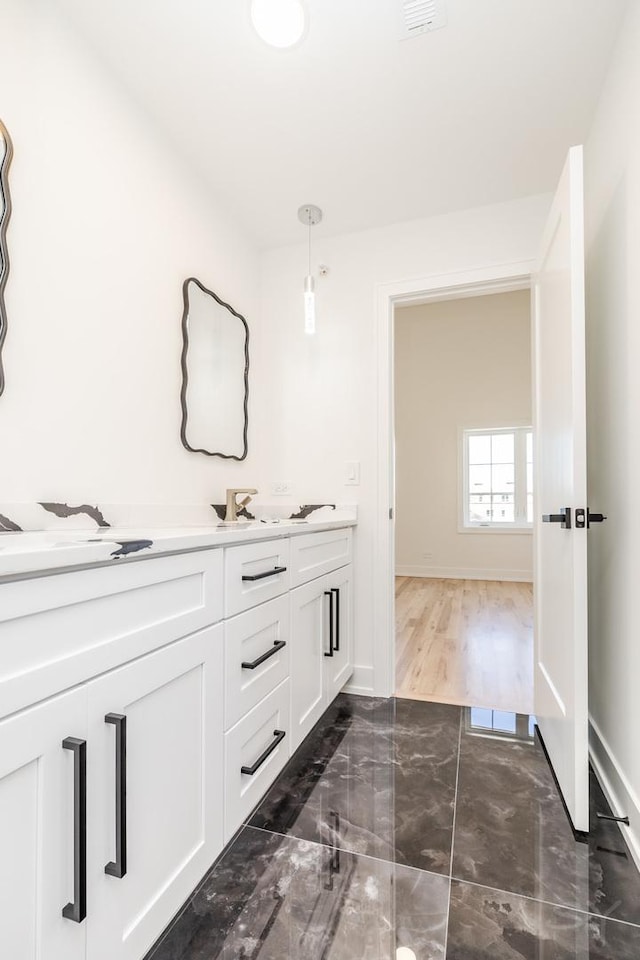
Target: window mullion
column 466, row 517
column 521, row 475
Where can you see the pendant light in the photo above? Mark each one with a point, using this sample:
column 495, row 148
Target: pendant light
column 309, row 215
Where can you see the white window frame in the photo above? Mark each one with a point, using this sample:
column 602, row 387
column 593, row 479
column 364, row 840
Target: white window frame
column 520, row 525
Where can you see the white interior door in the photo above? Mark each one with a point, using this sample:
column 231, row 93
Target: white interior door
column 560, row 548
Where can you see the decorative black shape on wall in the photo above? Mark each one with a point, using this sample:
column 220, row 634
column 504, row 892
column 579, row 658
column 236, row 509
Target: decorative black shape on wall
column 131, row 546
column 64, row 510
column 185, row 371
column 8, row 526
column 5, row 214
column 308, row 508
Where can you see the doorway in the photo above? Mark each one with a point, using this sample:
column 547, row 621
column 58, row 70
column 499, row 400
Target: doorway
column 497, row 278
column 556, row 278
column 464, row 501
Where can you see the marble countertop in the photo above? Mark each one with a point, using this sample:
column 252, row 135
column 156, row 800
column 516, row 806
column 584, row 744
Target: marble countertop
column 36, row 553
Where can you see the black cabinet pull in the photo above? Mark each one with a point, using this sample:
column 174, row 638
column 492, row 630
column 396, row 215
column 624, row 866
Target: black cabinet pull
column 118, row 868
column 279, row 736
column 328, row 593
column 267, row 573
column 336, row 590
column 277, row 645
column 77, row 909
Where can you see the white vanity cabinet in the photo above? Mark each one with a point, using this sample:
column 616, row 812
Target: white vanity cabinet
column 255, row 573
column 131, row 643
column 171, row 703
column 37, row 831
column 339, row 667
column 257, row 739
column 257, row 645
column 146, row 847
column 321, row 628
column 145, row 709
column 309, row 627
column 255, row 751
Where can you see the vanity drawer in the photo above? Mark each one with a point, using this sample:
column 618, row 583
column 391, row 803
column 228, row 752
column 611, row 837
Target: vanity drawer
column 254, row 573
column 60, row 630
column 255, row 744
column 315, row 554
column 256, row 660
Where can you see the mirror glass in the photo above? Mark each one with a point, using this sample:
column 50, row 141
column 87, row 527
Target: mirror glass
column 5, row 212
column 215, row 374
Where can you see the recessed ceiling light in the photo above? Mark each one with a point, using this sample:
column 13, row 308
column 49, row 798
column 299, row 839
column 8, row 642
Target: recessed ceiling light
column 280, row 23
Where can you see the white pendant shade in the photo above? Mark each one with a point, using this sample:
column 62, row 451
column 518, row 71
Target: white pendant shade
column 309, row 306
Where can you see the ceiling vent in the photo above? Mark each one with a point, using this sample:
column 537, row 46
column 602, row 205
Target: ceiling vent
column 421, row 16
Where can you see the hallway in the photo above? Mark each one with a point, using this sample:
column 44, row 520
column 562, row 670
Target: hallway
column 403, row 830
column 467, row 642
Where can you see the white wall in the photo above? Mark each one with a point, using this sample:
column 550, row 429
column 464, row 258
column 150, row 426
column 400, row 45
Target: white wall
column 322, row 402
column 612, row 182
column 459, row 364
column 107, row 223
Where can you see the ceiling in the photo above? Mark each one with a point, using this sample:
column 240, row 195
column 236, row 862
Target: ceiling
column 373, row 129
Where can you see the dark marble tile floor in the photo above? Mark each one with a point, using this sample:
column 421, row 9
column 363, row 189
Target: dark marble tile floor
column 491, row 925
column 387, row 787
column 403, row 830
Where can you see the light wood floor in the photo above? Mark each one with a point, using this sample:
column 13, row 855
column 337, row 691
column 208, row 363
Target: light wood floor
column 465, row 641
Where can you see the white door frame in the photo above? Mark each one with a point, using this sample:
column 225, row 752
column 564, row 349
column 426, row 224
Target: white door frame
column 499, row 278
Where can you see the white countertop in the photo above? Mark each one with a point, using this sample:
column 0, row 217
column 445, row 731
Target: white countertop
column 35, row 553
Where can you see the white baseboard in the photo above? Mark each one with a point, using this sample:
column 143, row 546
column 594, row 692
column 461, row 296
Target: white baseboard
column 616, row 788
column 462, row 573
column 361, row 682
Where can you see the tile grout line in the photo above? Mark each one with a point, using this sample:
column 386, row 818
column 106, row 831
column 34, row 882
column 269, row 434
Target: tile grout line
column 547, row 903
column 451, row 879
column 350, row 853
column 453, row 836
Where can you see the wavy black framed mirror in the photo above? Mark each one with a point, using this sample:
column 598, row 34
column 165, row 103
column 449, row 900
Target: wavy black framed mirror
column 215, row 375
column 6, row 153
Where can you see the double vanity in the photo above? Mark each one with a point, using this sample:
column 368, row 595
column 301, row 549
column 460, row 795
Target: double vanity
column 152, row 685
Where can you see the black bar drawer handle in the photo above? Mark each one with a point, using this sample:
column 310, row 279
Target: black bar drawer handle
column 118, row 867
column 336, row 590
column 329, row 593
column 267, row 573
column 278, row 645
column 77, row 909
column 279, row 737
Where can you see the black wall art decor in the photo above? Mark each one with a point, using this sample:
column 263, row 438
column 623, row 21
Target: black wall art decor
column 6, row 153
column 215, row 375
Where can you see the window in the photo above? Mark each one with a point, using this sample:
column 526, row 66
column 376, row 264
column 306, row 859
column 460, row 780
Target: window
column 497, row 481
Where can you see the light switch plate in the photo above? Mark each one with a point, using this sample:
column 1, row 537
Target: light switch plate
column 352, row 473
